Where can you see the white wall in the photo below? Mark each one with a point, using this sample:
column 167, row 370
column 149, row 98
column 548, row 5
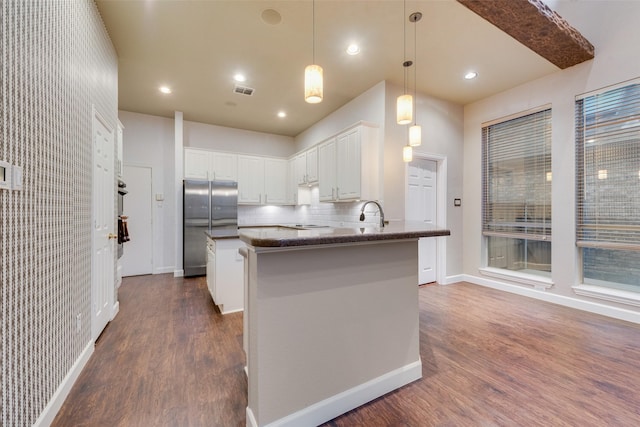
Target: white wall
column 219, row 138
column 57, row 64
column 368, row 107
column 610, row 26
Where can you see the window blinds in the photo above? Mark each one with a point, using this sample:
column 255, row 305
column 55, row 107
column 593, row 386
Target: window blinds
column 516, row 177
column 608, row 169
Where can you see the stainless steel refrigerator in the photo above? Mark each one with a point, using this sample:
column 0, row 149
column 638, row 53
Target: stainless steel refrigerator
column 207, row 206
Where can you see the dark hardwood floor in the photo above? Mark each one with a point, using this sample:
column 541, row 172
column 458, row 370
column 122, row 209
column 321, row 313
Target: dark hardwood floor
column 489, row 359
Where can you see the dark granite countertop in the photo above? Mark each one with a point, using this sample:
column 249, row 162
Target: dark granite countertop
column 287, row 237
column 222, row 234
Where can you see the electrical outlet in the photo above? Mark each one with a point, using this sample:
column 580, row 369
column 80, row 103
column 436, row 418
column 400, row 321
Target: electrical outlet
column 78, row 323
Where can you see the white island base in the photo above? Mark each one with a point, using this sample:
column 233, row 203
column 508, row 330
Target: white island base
column 329, row 328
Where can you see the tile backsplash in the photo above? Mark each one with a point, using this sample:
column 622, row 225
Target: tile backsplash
column 332, row 214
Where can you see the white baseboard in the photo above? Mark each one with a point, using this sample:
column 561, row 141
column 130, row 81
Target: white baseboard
column 115, row 310
column 178, row 273
column 163, row 270
column 590, row 306
column 330, row 408
column 51, row 410
column 453, row 279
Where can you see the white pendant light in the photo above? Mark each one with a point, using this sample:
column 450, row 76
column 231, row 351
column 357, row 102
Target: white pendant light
column 313, row 86
column 407, row 153
column 415, row 131
column 415, row 135
column 404, row 109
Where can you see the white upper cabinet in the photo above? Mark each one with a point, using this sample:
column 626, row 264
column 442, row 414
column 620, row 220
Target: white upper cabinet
column 262, row 181
column 306, row 167
column 312, row 165
column 327, row 170
column 300, row 162
column 224, row 166
column 250, row 180
column 210, row 165
column 349, row 165
column 196, row 163
column 275, row 181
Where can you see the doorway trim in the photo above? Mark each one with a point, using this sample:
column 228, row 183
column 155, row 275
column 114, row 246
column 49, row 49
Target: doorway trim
column 154, row 214
column 441, row 208
column 96, row 116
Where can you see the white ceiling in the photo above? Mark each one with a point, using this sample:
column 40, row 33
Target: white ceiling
column 196, row 47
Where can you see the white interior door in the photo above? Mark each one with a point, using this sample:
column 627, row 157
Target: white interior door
column 103, row 283
column 422, row 206
column 137, row 255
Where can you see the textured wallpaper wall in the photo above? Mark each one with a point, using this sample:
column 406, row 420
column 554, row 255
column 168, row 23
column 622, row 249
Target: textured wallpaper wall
column 57, row 61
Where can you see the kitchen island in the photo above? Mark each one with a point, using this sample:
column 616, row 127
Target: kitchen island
column 331, row 319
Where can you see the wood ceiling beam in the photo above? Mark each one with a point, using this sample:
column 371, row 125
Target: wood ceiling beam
column 536, row 26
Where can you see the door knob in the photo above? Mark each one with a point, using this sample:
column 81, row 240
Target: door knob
column 112, row 236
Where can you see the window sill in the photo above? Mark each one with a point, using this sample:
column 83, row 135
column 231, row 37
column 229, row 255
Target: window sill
column 608, row 294
column 538, row 282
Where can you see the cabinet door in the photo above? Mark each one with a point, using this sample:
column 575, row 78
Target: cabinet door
column 312, row 165
column 196, row 164
column 292, row 185
column 275, row 182
column 327, row 170
column 250, row 180
column 301, row 168
column 348, row 165
column 211, row 270
column 224, row 166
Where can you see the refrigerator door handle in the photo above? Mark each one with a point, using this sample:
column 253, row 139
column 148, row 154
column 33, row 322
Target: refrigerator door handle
column 209, row 206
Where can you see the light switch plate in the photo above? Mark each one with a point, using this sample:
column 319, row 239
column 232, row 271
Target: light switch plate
column 16, row 178
column 5, row 176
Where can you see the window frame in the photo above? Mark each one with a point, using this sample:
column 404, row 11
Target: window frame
column 609, row 233
column 544, row 233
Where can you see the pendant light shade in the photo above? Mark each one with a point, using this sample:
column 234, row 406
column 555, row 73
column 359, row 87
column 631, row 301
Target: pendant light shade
column 407, row 154
column 404, row 109
column 313, row 84
column 415, row 135
column 313, row 87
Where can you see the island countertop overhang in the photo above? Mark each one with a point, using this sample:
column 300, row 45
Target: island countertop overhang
column 281, row 237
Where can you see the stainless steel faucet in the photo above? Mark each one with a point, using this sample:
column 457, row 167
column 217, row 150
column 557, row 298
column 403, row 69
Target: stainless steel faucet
column 379, row 208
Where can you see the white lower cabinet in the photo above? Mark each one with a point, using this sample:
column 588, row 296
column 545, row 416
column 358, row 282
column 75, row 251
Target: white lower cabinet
column 225, row 274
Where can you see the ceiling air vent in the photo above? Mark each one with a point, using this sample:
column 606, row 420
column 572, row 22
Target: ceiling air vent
column 243, row 90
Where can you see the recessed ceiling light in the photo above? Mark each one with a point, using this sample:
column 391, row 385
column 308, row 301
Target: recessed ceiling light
column 471, row 75
column 239, row 78
column 282, row 114
column 353, row 49
column 165, row 89
column 271, row 16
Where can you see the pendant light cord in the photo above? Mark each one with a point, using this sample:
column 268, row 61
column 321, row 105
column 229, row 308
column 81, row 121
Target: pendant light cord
column 313, row 31
column 404, row 43
column 415, row 72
